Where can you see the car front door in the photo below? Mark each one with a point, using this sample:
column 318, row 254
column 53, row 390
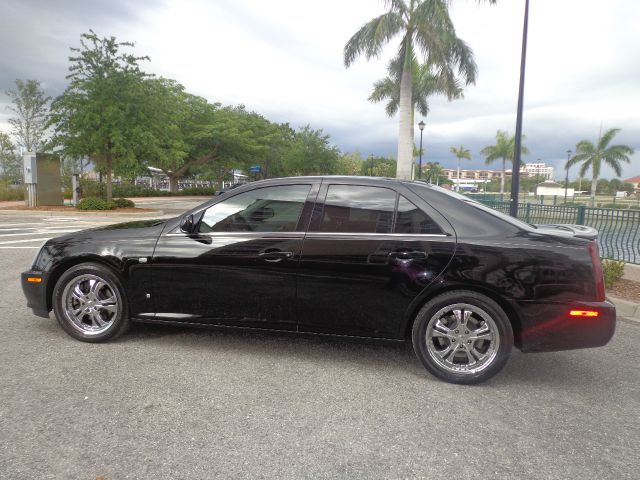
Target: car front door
column 369, row 252
column 239, row 266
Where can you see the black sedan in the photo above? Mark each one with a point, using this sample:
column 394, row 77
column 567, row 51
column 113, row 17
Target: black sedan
column 362, row 257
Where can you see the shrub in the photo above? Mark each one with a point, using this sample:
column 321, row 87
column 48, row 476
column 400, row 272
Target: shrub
column 611, row 205
column 123, row 203
column 209, row 191
column 8, row 193
column 93, row 203
column 613, row 271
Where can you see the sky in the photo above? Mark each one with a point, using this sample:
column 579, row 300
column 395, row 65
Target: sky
column 284, row 60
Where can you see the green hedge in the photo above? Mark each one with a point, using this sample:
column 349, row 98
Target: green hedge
column 92, row 188
column 95, row 203
column 123, row 203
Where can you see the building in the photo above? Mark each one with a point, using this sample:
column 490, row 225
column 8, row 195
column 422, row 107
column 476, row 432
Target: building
column 539, row 169
column 635, row 181
column 482, row 175
column 553, row 189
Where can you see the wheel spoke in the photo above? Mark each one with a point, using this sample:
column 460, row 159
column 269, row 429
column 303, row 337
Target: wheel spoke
column 468, row 350
column 441, row 330
column 95, row 286
column 97, row 320
column 483, row 333
column 113, row 308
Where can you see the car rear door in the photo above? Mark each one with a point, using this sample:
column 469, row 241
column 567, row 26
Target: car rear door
column 369, row 252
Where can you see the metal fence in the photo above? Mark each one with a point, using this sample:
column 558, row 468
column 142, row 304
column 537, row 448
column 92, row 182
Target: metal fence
column 618, row 230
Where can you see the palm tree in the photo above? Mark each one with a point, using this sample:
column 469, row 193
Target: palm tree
column 460, row 153
column 426, row 28
column 426, row 83
column 433, row 172
column 504, row 150
column 592, row 156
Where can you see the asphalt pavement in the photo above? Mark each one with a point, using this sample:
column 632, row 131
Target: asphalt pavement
column 165, row 402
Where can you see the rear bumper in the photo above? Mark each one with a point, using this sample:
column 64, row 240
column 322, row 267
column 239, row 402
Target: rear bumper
column 36, row 293
column 547, row 327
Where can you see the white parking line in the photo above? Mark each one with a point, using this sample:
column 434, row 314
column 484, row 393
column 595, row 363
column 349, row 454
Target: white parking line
column 27, row 241
column 36, row 233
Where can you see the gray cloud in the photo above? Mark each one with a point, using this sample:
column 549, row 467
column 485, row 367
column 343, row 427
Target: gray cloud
column 284, row 60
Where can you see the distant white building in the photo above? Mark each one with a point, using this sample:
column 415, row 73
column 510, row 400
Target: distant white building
column 553, row 189
column 539, row 169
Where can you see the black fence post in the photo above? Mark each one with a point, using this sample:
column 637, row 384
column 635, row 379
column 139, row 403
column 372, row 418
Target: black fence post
column 580, row 217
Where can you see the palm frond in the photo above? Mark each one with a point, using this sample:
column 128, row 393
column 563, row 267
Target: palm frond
column 372, row 36
column 605, row 139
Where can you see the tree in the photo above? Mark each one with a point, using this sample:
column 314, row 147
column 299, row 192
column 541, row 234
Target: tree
column 379, row 167
column 31, row 107
column 427, row 29
column 350, row 164
column 101, row 114
column 311, row 153
column 426, row 82
column 460, row 153
column 504, row 149
column 10, row 161
column 592, row 155
column 433, row 173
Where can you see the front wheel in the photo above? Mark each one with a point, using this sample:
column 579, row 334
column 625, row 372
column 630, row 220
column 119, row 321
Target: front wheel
column 462, row 337
column 89, row 303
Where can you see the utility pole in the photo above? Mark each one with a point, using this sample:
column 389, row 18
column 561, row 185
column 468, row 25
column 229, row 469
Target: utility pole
column 515, row 178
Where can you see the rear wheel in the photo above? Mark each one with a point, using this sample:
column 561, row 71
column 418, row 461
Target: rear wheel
column 462, row 337
column 89, row 303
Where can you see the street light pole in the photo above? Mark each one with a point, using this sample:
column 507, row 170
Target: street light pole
column 566, row 180
column 515, row 178
column 421, row 127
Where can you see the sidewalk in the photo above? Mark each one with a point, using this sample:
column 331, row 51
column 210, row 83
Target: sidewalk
column 627, row 309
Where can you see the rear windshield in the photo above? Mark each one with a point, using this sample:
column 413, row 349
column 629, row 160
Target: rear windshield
column 478, row 205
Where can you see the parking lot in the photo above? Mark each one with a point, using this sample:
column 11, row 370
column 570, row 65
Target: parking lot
column 166, row 402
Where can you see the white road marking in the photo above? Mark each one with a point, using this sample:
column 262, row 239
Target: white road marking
column 41, row 233
column 4, row 247
column 27, row 241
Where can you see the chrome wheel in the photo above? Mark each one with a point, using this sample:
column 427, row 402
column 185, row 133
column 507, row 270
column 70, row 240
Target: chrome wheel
column 462, row 338
column 90, row 304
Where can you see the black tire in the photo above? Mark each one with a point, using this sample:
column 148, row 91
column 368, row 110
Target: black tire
column 445, row 337
column 100, row 319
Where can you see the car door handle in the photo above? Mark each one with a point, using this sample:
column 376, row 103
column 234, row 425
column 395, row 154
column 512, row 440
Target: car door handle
column 408, row 254
column 273, row 256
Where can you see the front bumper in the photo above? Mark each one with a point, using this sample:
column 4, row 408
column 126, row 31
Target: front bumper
column 36, row 293
column 547, row 327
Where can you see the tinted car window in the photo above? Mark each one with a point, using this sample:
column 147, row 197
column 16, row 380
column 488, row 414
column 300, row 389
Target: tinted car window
column 410, row 219
column 358, row 209
column 270, row 209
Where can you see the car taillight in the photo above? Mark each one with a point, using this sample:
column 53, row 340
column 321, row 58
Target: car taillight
column 597, row 271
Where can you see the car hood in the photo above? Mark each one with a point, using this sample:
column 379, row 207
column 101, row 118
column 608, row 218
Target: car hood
column 118, row 231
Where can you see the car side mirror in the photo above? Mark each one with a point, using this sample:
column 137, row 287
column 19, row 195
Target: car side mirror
column 187, row 225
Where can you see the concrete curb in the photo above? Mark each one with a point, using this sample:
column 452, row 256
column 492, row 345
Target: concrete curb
column 627, row 309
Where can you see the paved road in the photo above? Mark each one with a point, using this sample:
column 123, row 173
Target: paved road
column 177, row 403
